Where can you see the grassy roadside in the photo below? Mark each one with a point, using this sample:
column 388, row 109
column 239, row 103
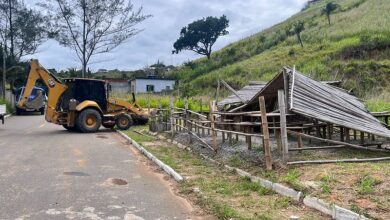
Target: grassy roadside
column 361, row 187
column 220, row 192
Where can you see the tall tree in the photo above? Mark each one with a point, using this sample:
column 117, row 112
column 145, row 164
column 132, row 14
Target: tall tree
column 22, row 30
column 93, row 27
column 329, row 9
column 201, row 35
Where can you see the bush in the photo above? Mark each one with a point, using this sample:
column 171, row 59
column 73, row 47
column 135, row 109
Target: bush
column 10, row 108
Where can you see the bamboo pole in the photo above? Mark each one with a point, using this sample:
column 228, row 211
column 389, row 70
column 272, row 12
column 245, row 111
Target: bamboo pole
column 283, row 125
column 266, row 145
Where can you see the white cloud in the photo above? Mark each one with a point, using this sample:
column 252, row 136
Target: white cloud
column 160, row 31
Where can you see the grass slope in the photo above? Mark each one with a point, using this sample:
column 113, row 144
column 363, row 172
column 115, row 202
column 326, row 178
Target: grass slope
column 355, row 49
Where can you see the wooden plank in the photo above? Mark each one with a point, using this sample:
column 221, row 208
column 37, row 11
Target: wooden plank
column 283, row 129
column 266, row 145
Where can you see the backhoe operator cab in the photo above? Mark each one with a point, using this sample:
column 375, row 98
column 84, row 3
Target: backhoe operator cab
column 82, row 104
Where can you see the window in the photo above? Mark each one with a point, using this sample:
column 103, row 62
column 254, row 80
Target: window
column 167, row 88
column 150, row 88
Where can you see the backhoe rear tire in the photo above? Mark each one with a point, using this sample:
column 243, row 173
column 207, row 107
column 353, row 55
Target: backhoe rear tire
column 124, row 121
column 89, row 121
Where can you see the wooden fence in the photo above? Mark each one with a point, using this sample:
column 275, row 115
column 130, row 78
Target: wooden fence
column 229, row 126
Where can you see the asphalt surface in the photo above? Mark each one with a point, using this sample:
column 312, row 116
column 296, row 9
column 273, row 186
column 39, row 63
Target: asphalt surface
column 47, row 172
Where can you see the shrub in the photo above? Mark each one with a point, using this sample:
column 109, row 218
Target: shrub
column 10, row 108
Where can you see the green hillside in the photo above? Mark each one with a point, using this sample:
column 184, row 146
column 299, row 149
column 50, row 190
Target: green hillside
column 355, row 49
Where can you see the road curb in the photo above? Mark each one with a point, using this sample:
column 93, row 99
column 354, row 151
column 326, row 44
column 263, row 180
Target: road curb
column 158, row 162
column 335, row 211
column 7, row 116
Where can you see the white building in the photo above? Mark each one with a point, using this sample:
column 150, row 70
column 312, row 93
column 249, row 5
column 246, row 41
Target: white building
column 151, row 85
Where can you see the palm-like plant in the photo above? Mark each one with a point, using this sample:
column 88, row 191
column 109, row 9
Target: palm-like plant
column 329, row 9
column 297, row 28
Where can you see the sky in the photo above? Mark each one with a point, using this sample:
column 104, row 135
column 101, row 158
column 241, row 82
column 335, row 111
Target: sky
column 162, row 30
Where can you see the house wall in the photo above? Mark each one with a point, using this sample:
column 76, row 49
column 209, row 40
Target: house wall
column 120, row 87
column 140, row 85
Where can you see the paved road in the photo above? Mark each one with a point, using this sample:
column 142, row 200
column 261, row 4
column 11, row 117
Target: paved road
column 47, row 172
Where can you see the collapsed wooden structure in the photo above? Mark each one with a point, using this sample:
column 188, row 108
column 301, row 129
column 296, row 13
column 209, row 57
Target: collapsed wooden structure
column 290, row 104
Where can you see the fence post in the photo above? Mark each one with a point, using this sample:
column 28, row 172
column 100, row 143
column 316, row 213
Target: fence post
column 213, row 132
column 264, row 124
column 223, row 128
column 283, row 125
column 187, row 125
column 300, row 144
column 248, row 138
column 172, row 118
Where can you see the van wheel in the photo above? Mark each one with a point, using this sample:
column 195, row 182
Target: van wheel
column 89, row 121
column 124, row 121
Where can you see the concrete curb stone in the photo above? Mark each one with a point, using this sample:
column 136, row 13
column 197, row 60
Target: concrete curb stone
column 159, row 163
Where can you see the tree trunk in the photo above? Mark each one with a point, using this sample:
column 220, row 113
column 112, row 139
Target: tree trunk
column 299, row 39
column 11, row 33
column 84, row 69
column 4, row 71
column 208, row 56
column 328, row 16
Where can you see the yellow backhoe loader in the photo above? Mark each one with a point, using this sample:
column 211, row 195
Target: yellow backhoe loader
column 81, row 104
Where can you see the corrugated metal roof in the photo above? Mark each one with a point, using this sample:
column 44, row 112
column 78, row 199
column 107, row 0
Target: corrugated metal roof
column 246, row 94
column 329, row 104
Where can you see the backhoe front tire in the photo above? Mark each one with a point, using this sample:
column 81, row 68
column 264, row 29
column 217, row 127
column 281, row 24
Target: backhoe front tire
column 72, row 129
column 124, row 121
column 89, row 121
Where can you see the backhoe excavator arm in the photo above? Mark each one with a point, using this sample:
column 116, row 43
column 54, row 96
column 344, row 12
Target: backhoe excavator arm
column 55, row 87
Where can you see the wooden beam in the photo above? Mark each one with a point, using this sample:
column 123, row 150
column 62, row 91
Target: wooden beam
column 232, row 90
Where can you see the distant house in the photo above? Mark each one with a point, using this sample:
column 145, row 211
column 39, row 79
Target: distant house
column 151, row 84
column 119, row 85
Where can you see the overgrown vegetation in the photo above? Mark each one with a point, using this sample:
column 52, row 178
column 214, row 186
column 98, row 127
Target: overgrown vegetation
column 355, row 49
column 157, row 101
